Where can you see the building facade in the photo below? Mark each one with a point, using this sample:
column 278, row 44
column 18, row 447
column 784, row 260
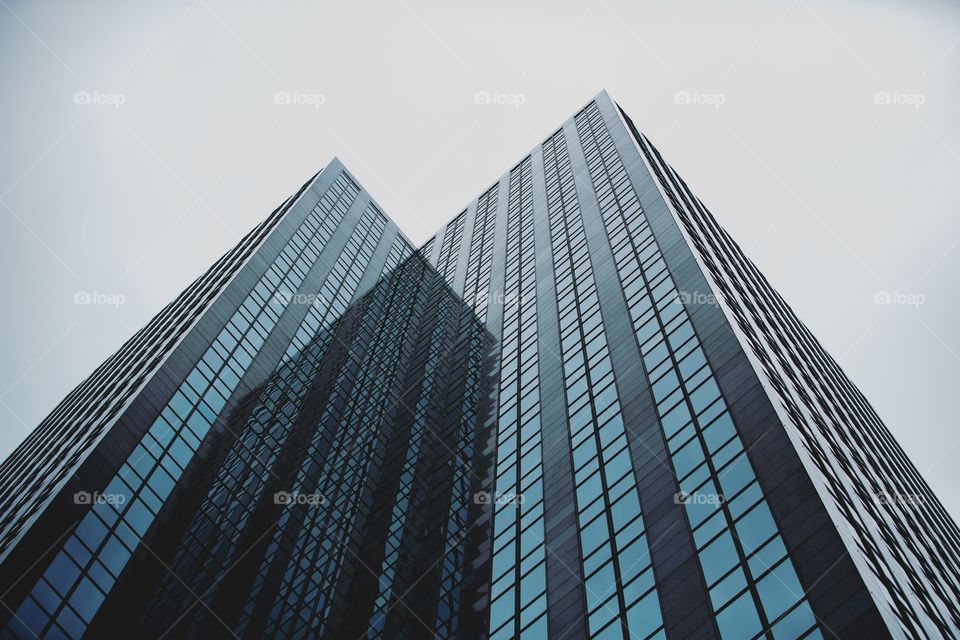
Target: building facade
column 578, row 411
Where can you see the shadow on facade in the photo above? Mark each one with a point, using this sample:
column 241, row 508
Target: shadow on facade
column 341, row 495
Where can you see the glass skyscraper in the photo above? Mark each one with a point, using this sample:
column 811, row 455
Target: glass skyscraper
column 578, row 411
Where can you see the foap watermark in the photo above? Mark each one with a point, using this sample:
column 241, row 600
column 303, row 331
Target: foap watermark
column 905, row 499
column 698, row 497
column 287, row 297
column 703, row 98
column 95, row 497
column 295, row 497
column 99, row 298
column 900, row 98
column 299, row 98
column 99, row 98
column 502, row 98
column 486, row 497
column 696, row 297
column 497, row 298
column 899, row 298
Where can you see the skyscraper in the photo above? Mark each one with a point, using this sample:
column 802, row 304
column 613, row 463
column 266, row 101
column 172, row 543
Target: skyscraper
column 578, row 411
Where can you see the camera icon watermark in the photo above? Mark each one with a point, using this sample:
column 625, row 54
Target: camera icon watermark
column 486, row 497
column 297, row 498
column 95, row 497
column 502, row 98
column 698, row 498
column 900, row 98
column 99, row 298
column 702, row 98
column 284, row 298
column 903, row 499
column 696, row 297
column 899, row 298
column 99, row 98
column 498, row 298
column 299, row 98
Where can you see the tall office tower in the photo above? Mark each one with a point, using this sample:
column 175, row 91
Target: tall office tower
column 579, row 411
column 109, row 485
column 690, row 462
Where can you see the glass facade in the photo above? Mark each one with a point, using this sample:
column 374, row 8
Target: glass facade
column 618, row 579
column 578, row 411
column 518, row 591
column 904, row 544
column 739, row 549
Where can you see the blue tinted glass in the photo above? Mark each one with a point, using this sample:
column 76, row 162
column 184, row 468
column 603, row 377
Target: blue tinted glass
column 644, row 617
column 718, row 557
column 138, row 517
column 739, row 621
column 779, row 590
column 767, row 556
column 737, row 475
column 719, row 432
column 32, row 616
column 795, row 624
column 727, row 588
column 62, row 573
column 86, row 599
column 755, row 527
column 599, row 586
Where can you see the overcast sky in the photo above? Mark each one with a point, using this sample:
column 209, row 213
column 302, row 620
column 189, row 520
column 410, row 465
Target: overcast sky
column 140, row 142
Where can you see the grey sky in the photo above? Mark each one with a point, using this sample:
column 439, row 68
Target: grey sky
column 836, row 194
